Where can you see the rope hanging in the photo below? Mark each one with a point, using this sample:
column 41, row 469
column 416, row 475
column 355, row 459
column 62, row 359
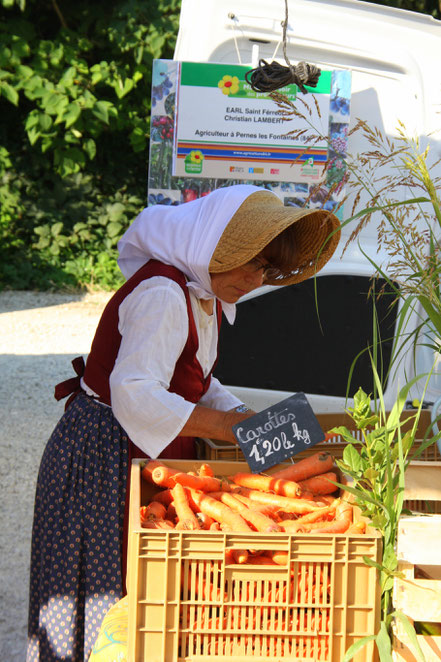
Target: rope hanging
column 270, row 77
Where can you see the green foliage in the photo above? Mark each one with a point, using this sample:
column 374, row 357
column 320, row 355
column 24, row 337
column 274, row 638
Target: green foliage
column 376, row 469
column 75, row 103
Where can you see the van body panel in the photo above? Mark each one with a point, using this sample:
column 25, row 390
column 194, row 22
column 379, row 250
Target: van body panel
column 393, row 55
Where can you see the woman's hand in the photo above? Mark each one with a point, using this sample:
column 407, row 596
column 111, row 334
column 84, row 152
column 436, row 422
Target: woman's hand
column 212, row 423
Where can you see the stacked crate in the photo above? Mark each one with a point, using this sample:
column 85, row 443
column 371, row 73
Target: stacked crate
column 417, row 593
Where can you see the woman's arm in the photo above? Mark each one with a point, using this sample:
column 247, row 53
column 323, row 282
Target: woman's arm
column 212, row 423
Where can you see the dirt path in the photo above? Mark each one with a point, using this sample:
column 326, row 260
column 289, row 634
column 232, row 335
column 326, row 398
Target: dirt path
column 40, row 334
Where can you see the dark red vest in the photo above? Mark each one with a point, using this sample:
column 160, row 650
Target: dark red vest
column 188, row 379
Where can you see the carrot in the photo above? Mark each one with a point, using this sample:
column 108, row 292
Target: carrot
column 265, row 509
column 219, row 512
column 240, row 555
column 342, row 521
column 204, row 521
column 321, row 484
column 357, row 527
column 299, row 506
column 260, row 522
column 291, row 526
column 166, row 477
column 170, row 513
column 280, row 558
column 186, row 517
column 206, row 470
column 147, row 469
column 164, row 497
column 260, row 559
column 313, row 465
column 286, row 488
column 158, row 524
column 154, row 510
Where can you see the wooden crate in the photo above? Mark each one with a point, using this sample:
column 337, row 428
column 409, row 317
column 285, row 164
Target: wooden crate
column 419, row 557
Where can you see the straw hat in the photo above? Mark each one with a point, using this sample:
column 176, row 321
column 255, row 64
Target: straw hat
column 263, row 216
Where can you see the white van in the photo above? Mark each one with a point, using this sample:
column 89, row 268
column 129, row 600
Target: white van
column 277, row 345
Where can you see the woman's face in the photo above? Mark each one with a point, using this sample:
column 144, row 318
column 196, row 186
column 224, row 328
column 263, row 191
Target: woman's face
column 229, row 286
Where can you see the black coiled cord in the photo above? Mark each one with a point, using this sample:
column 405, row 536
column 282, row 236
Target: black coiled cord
column 270, row 77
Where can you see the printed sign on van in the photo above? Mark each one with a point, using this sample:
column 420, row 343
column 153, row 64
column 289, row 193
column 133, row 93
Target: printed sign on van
column 224, row 126
column 209, row 128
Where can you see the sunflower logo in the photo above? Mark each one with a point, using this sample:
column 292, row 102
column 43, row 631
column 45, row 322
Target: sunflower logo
column 229, row 84
column 193, row 161
column 196, row 156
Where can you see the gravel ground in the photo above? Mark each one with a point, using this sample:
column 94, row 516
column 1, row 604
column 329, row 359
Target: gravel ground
column 40, row 334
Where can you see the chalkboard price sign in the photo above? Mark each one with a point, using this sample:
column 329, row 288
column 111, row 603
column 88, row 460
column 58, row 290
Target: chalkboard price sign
column 278, row 432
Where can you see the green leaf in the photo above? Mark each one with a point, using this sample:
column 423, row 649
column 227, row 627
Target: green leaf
column 123, row 87
column 56, row 228
column 116, row 211
column 101, row 111
column 45, row 121
column 352, row 458
column 72, row 113
column 89, row 147
column 346, row 434
column 371, row 474
column 358, row 645
column 410, row 631
column 384, row 643
column 114, row 229
column 9, row 92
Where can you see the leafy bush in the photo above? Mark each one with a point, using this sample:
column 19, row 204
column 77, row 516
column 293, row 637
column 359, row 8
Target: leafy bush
column 75, row 103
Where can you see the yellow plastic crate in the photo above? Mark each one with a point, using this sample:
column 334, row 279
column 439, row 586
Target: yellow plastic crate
column 418, row 546
column 187, row 602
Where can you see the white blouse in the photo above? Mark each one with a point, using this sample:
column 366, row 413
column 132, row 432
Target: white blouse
column 153, row 323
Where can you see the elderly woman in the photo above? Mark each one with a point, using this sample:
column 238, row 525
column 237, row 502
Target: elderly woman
column 147, row 389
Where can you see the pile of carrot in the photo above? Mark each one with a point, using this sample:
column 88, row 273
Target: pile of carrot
column 301, row 498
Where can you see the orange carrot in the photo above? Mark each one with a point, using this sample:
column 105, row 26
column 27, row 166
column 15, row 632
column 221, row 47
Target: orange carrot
column 291, row 526
column 158, row 524
column 164, row 497
column 321, row 484
column 147, row 469
column 265, row 509
column 280, row 558
column 299, row 506
column 312, row 465
column 186, row 517
column 170, row 513
column 204, row 521
column 166, row 477
column 206, row 470
column 260, row 522
column 357, row 527
column 286, row 488
column 219, row 512
column 240, row 555
column 342, row 521
column 154, row 510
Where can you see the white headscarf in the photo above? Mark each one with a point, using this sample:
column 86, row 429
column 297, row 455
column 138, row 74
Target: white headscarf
column 183, row 236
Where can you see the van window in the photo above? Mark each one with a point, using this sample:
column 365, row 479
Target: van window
column 278, row 341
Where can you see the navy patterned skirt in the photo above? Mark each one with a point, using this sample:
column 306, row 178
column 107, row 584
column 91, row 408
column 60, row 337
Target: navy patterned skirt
column 77, row 532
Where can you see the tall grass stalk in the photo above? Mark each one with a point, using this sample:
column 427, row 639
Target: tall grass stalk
column 409, row 233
